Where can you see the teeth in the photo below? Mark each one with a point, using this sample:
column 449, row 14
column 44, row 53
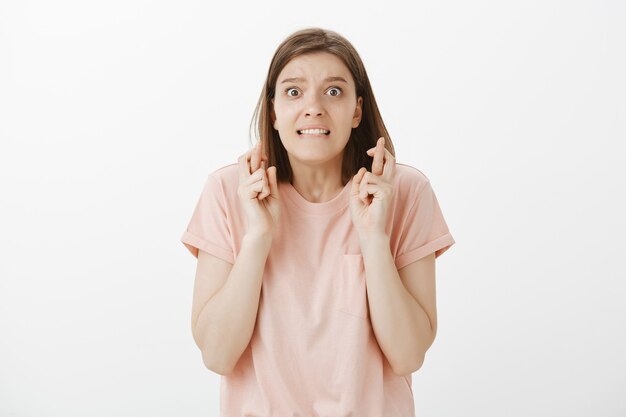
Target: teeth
column 314, row 132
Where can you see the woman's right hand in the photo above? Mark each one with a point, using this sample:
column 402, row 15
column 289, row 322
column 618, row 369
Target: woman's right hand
column 258, row 192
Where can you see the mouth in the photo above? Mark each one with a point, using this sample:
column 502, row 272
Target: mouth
column 313, row 132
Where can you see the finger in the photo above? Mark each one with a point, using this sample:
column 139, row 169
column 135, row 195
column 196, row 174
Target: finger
column 255, row 189
column 368, row 192
column 356, row 183
column 363, row 186
column 379, row 155
column 264, row 192
column 244, row 167
column 370, row 178
column 254, row 158
column 356, row 180
column 273, row 183
column 368, row 183
column 382, row 138
column 254, row 177
column 390, row 167
column 266, row 189
column 255, row 184
column 363, row 194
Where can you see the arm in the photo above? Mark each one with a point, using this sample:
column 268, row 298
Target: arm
column 404, row 324
column 223, row 319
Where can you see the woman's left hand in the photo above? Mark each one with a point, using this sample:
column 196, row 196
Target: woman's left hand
column 373, row 192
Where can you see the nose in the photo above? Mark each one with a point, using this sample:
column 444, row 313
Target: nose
column 313, row 107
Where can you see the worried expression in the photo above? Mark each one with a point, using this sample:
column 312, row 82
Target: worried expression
column 315, row 107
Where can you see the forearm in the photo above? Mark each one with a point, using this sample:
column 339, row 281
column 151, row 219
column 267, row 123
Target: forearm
column 401, row 326
column 227, row 321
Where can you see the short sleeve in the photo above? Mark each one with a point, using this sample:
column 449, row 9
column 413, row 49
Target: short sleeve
column 425, row 230
column 208, row 228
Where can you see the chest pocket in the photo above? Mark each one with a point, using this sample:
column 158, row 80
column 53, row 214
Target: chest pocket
column 350, row 288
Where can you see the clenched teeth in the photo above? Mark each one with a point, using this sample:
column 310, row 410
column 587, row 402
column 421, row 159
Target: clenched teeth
column 313, row 132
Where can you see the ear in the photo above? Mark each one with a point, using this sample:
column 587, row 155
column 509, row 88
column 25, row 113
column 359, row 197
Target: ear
column 273, row 115
column 358, row 112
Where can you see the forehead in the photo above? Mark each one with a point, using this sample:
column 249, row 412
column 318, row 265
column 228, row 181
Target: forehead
column 315, row 66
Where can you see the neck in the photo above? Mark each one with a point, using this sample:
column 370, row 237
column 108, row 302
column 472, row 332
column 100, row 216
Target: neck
column 317, row 183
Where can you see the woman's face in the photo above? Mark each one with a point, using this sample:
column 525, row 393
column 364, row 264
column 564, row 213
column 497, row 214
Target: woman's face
column 315, row 90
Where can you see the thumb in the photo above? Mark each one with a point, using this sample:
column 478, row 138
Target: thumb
column 356, row 181
column 271, row 174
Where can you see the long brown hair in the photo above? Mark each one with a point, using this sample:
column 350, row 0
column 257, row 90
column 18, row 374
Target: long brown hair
column 362, row 137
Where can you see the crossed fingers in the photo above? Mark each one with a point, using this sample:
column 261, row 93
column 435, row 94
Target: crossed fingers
column 384, row 162
column 252, row 168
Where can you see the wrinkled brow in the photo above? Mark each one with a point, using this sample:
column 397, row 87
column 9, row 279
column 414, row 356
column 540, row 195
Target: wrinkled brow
column 302, row 80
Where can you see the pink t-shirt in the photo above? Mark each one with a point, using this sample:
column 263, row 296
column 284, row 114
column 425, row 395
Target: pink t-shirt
column 313, row 351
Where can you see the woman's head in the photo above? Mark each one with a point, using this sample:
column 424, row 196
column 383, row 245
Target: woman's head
column 344, row 105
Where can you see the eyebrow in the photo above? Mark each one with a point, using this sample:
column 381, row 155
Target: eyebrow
column 298, row 79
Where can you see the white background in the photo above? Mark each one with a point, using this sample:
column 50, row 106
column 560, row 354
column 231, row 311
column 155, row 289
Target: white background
column 113, row 113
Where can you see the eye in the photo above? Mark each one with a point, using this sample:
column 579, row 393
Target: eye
column 337, row 91
column 287, row 90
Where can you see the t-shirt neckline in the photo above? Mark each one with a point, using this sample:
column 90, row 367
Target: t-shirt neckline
column 338, row 202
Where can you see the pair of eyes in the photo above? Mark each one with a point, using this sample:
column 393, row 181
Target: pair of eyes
column 338, row 90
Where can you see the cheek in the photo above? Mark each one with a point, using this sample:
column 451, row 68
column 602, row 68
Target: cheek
column 284, row 110
column 341, row 110
column 344, row 118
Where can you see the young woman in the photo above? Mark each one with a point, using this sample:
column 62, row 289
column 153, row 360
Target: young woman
column 315, row 285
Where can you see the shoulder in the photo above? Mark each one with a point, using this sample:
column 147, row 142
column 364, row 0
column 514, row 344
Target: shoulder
column 409, row 180
column 222, row 182
column 226, row 176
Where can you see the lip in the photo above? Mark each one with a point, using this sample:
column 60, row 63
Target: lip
column 301, row 128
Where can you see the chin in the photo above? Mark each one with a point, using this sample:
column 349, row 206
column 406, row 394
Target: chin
column 313, row 157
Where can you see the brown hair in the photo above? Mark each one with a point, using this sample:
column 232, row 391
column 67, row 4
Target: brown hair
column 362, row 137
